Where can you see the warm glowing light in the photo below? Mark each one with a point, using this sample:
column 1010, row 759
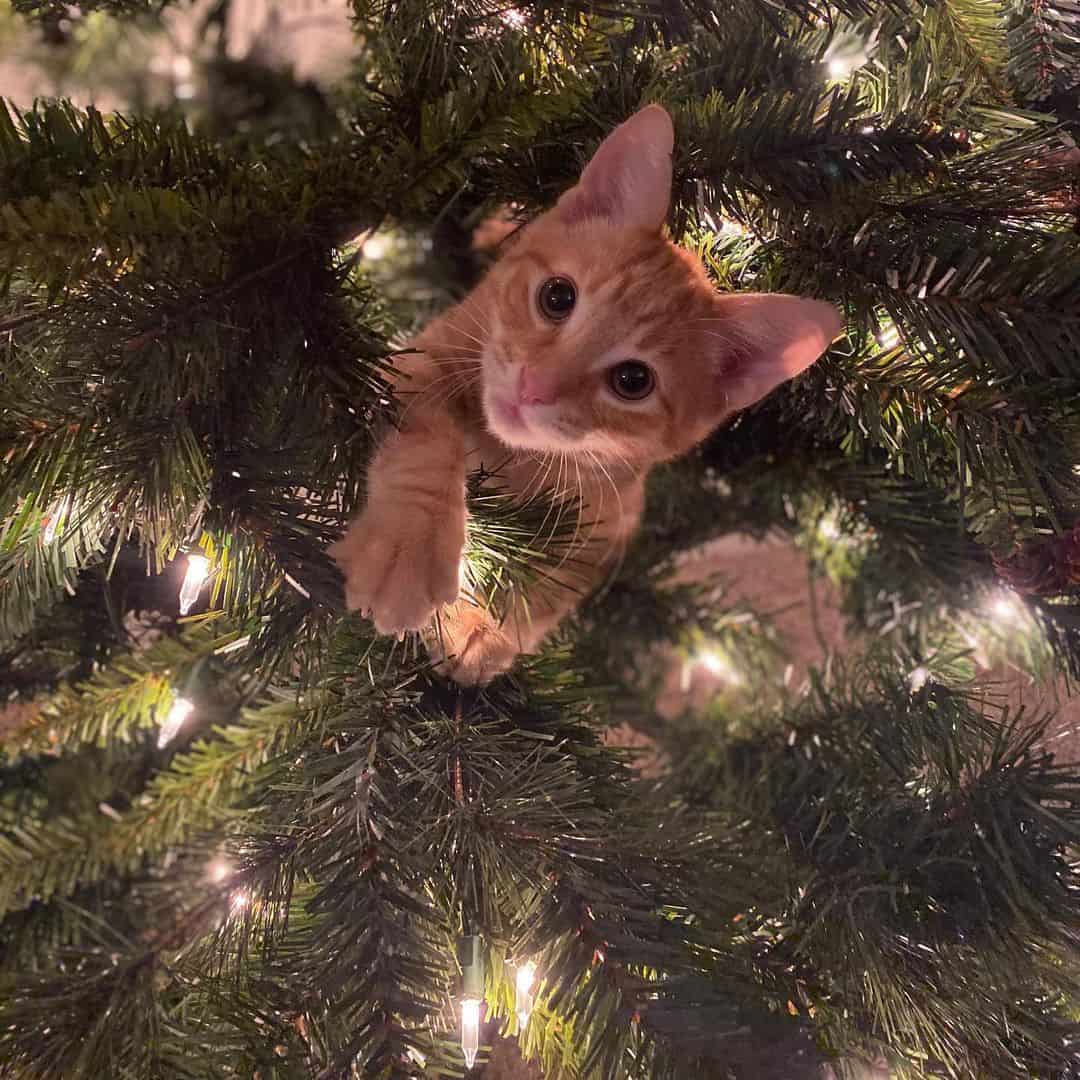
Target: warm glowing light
column 470, row 1030
column 56, row 518
column 715, row 663
column 524, row 997
column 240, row 900
column 375, row 246
column 513, row 18
column 889, row 337
column 218, row 870
column 198, row 567
column 180, row 711
column 1005, row 607
column 845, row 55
column 918, row 678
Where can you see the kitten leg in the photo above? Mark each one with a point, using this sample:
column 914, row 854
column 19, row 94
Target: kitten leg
column 401, row 556
column 470, row 644
column 473, row 645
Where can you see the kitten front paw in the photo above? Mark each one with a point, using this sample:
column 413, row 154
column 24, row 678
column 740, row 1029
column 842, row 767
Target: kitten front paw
column 469, row 644
column 401, row 565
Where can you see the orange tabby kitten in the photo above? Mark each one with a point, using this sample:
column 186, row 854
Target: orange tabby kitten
column 594, row 349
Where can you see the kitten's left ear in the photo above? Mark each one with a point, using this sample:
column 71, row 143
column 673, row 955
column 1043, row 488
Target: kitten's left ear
column 628, row 180
column 764, row 339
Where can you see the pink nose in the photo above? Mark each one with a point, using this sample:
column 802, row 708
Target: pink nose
column 535, row 388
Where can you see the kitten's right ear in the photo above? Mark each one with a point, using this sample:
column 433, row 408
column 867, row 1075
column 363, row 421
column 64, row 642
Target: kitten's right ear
column 764, row 339
column 628, row 180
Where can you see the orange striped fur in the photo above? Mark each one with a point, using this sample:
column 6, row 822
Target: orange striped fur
column 506, row 382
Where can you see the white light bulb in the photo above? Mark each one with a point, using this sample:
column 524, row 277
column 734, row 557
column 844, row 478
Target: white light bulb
column 712, row 662
column 375, row 247
column 525, row 999
column 889, row 337
column 839, row 68
column 198, row 567
column 470, row 1030
column 918, row 678
column 60, row 514
column 218, row 870
column 1005, row 608
column 180, row 711
column 716, row 664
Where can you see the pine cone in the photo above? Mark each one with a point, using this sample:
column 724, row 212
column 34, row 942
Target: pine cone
column 1069, row 556
column 1035, row 570
column 1044, row 568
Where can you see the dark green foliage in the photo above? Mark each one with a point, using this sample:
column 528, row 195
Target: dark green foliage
column 1044, row 47
column 195, row 349
column 904, row 809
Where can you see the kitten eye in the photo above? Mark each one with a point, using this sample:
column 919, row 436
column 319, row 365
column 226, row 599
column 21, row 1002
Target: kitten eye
column 632, row 380
column 557, row 297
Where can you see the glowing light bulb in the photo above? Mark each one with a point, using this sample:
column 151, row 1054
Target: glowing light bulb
column 59, row 515
column 218, row 870
column 918, row 678
column 829, row 529
column 717, row 665
column 524, row 998
column 513, row 18
column 375, row 246
column 844, row 55
column 470, row 1030
column 712, row 662
column 889, row 337
column 180, row 711
column 240, row 900
column 1005, row 607
column 198, row 567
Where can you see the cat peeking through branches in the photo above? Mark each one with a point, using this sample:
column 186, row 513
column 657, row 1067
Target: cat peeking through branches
column 594, row 349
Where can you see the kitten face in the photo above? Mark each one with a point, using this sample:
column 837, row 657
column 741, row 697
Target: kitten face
column 608, row 341
column 599, row 344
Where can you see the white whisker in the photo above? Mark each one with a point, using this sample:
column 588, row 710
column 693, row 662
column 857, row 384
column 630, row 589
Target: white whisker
column 469, row 356
column 536, row 483
column 615, row 490
column 465, row 309
column 554, row 497
column 467, row 333
column 457, row 380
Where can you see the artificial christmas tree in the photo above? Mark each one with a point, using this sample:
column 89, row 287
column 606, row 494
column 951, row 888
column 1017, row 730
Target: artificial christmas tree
column 259, row 839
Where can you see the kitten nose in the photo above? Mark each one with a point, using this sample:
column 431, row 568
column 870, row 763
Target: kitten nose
column 535, row 388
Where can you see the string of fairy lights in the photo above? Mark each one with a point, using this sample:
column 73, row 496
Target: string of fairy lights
column 840, row 62
column 470, row 949
column 1001, row 606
